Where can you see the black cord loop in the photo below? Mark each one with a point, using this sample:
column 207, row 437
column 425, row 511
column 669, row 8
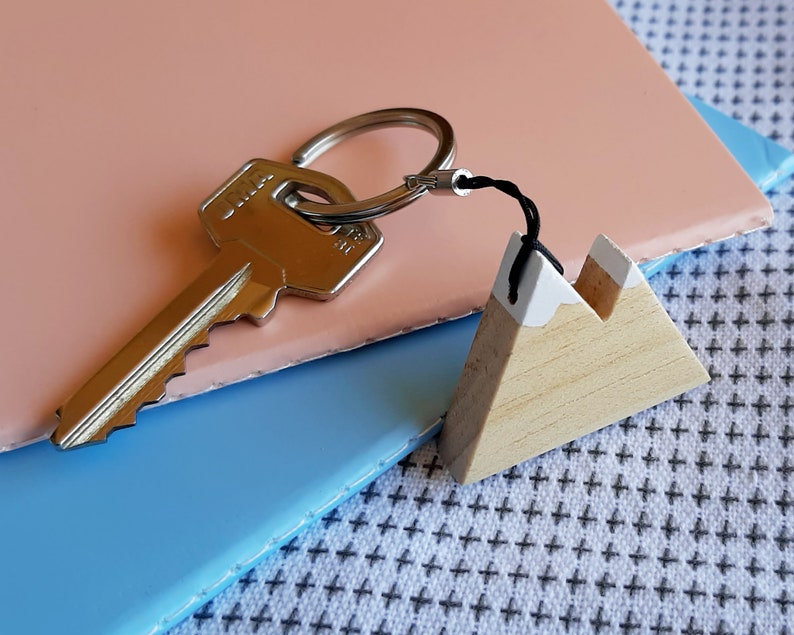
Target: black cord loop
column 529, row 241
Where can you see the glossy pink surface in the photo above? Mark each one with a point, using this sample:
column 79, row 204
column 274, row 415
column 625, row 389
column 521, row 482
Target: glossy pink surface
column 118, row 119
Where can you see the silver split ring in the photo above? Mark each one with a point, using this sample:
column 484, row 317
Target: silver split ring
column 400, row 196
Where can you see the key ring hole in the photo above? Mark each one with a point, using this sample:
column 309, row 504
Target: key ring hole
column 292, row 192
column 295, row 191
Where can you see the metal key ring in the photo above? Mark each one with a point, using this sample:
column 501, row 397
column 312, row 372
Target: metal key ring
column 400, row 196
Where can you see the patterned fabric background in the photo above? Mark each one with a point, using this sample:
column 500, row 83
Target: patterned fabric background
column 679, row 520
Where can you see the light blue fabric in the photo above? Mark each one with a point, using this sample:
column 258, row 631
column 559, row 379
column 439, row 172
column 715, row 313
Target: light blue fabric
column 205, row 488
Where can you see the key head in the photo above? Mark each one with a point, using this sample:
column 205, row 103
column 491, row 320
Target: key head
column 251, row 208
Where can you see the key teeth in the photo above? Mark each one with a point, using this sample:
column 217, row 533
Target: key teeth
column 112, row 398
column 69, row 439
column 103, row 434
column 96, row 439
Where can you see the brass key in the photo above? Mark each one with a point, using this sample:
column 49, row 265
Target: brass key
column 265, row 249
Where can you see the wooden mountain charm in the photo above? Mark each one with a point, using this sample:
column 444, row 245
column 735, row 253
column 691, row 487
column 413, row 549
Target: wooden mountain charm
column 561, row 362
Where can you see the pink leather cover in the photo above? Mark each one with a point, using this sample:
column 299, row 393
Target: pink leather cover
column 120, row 118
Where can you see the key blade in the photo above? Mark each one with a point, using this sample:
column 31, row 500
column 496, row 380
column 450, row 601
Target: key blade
column 238, row 282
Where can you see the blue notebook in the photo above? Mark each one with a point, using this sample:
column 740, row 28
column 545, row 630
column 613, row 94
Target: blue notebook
column 120, row 538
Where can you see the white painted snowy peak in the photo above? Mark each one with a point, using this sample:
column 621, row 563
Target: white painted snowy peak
column 542, row 289
column 615, row 263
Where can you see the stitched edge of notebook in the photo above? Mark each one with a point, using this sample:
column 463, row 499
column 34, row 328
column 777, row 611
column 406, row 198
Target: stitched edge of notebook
column 763, row 223
column 332, row 351
column 309, row 517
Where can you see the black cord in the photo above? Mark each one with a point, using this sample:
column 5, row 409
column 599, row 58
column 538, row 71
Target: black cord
column 529, row 241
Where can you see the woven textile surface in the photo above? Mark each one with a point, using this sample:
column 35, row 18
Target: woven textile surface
column 677, row 520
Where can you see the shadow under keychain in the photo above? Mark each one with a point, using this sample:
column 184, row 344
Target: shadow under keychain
column 550, row 361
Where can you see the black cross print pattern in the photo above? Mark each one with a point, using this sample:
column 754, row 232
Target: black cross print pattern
column 677, row 520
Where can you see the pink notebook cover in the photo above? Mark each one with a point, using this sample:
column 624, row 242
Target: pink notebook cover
column 119, row 119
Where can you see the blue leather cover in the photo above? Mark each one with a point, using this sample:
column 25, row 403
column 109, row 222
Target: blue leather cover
column 121, row 539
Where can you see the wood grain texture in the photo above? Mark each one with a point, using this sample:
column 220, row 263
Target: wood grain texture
column 527, row 389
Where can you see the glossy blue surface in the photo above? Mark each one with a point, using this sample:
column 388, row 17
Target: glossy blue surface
column 765, row 161
column 122, row 538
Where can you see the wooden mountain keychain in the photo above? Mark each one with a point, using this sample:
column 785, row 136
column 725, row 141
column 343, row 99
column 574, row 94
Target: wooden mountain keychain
column 552, row 361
